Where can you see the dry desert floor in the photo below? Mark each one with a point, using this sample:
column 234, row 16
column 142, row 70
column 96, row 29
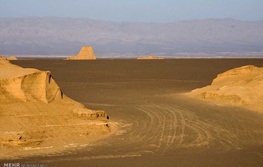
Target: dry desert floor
column 157, row 125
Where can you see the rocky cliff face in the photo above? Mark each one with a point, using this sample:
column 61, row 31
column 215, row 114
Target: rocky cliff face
column 86, row 53
column 30, row 87
column 240, row 86
column 27, row 84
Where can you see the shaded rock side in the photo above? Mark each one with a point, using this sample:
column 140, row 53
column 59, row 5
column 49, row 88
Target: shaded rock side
column 240, row 86
column 86, row 53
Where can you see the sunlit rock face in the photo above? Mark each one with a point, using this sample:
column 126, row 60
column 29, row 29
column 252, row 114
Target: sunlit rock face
column 240, row 86
column 86, row 53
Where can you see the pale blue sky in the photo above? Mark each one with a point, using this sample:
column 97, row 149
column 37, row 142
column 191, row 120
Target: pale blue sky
column 135, row 10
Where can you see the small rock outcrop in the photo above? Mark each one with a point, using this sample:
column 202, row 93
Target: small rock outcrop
column 8, row 58
column 86, row 53
column 241, row 86
column 149, row 58
column 11, row 58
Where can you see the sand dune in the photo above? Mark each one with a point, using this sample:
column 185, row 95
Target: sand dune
column 86, row 53
column 36, row 117
column 241, row 86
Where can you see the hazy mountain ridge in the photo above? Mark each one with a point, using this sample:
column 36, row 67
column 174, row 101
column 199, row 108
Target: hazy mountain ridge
column 50, row 35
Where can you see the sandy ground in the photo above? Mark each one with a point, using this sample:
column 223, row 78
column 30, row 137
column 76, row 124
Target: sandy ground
column 157, row 125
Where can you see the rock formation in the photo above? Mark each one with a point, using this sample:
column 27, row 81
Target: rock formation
column 149, row 58
column 86, row 53
column 11, row 58
column 2, row 58
column 240, row 86
column 17, row 83
column 36, row 115
column 8, row 58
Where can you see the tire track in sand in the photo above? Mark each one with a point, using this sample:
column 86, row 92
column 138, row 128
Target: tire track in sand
column 169, row 128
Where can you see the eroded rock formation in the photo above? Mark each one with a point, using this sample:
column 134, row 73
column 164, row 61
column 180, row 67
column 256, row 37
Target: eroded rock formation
column 86, row 53
column 8, row 58
column 36, row 115
column 11, row 58
column 240, row 86
column 17, row 83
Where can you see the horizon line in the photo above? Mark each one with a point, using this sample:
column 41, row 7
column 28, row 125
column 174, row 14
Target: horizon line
column 87, row 18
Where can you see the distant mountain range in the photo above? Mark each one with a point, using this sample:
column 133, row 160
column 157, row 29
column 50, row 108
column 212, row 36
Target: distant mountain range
column 65, row 36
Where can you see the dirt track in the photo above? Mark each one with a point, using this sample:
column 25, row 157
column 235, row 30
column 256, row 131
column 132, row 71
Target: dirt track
column 157, row 125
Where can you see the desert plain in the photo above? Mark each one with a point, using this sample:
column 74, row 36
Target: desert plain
column 157, row 124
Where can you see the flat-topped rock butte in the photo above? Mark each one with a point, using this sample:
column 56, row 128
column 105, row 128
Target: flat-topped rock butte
column 38, row 118
column 86, row 53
